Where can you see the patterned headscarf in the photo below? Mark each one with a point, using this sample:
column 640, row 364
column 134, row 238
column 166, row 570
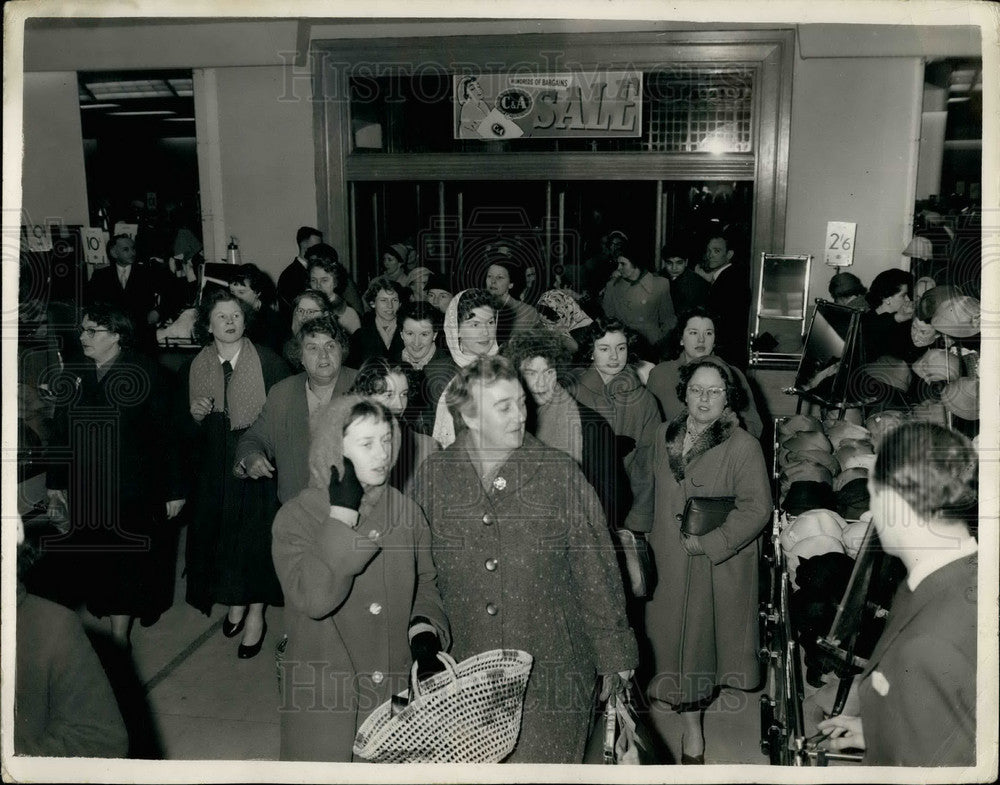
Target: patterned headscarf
column 569, row 314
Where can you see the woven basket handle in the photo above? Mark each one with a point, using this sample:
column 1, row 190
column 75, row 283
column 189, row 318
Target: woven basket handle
column 449, row 664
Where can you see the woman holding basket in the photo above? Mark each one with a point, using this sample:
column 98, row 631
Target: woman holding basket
column 354, row 559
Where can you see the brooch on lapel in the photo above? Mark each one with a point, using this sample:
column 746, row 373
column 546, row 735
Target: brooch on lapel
column 499, row 483
column 880, row 683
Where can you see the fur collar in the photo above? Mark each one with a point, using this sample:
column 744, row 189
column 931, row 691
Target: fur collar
column 714, row 435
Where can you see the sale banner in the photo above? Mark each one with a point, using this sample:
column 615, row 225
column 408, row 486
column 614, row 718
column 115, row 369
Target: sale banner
column 516, row 106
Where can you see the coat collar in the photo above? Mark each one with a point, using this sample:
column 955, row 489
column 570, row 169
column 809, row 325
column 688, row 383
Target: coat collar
column 625, row 382
column 714, row 435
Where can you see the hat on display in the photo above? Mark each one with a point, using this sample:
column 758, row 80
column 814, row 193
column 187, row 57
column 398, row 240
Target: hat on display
column 841, row 430
column 849, row 475
column 929, row 410
column 808, row 495
column 961, row 398
column 864, row 445
column 926, row 306
column 819, row 457
column 805, row 470
column 853, row 536
column 884, row 422
column 957, row 317
column 845, row 284
column 921, row 286
column 922, row 333
column 852, row 456
column 617, row 233
column 891, row 371
column 798, row 423
column 938, row 365
column 853, row 500
column 806, row 440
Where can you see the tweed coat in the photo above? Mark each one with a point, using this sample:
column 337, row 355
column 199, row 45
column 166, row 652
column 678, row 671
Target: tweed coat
column 350, row 596
column 631, row 411
column 702, row 617
column 918, row 691
column 645, row 305
column 281, row 432
column 530, row 565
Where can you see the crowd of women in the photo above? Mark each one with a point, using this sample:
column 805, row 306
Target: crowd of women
column 410, row 473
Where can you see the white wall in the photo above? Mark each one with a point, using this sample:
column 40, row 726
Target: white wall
column 53, row 181
column 266, row 156
column 852, row 158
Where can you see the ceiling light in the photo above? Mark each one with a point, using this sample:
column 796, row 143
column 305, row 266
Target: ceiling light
column 146, row 113
column 178, row 119
column 98, row 106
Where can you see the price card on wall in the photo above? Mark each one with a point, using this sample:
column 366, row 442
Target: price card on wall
column 94, row 242
column 839, row 244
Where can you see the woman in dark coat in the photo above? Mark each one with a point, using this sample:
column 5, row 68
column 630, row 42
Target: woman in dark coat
column 115, row 424
column 419, row 326
column 525, row 561
column 702, row 618
column 354, row 558
column 229, row 539
column 256, row 290
column 379, row 333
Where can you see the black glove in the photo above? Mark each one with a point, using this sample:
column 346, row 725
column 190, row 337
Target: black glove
column 423, row 649
column 346, row 491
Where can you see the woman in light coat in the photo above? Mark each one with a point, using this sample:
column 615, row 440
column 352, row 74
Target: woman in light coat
column 702, row 618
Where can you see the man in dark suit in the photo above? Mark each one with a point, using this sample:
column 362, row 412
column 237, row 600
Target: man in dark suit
column 135, row 289
column 728, row 296
column 294, row 279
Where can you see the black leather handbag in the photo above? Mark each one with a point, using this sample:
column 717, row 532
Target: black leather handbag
column 703, row 514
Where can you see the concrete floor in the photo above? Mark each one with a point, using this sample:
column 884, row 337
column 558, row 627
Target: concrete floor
column 195, row 700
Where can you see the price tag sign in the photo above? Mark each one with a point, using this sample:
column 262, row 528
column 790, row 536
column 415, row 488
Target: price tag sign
column 839, row 245
column 123, row 228
column 94, row 242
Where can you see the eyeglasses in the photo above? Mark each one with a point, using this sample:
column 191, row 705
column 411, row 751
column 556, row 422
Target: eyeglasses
column 90, row 332
column 697, row 391
column 307, row 311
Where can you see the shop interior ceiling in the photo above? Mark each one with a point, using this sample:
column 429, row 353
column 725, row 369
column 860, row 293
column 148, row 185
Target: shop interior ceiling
column 153, row 104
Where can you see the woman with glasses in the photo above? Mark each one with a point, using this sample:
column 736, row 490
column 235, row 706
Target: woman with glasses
column 121, row 482
column 328, row 275
column 702, row 618
column 692, row 339
column 229, row 540
column 311, row 304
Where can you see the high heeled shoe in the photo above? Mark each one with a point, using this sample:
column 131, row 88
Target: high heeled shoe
column 231, row 630
column 248, row 652
column 691, row 760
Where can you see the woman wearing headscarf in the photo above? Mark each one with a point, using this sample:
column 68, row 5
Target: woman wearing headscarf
column 702, row 617
column 694, row 338
column 354, row 559
column 470, row 332
column 229, row 539
column 559, row 312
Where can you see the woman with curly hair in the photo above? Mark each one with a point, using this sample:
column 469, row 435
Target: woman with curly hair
column 702, row 618
column 229, row 540
column 327, row 274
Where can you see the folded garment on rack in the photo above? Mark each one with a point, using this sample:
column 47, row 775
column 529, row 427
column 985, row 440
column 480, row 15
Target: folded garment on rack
column 842, row 430
column 853, row 456
column 849, row 475
column 806, row 440
column 802, row 471
column 818, row 457
column 798, row 423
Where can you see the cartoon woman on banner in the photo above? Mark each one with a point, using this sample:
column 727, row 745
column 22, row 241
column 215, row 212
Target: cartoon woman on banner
column 474, row 107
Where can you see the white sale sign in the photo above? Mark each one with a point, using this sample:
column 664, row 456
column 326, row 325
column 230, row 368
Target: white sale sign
column 838, row 249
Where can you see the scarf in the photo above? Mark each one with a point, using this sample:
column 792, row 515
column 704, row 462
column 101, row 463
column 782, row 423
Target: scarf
column 461, row 358
column 569, row 314
column 246, row 388
column 418, row 364
column 712, row 436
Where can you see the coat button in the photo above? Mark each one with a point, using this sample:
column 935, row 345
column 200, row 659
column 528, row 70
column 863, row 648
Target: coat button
column 491, row 564
column 491, row 609
column 378, row 677
column 373, row 535
column 374, row 609
column 488, row 519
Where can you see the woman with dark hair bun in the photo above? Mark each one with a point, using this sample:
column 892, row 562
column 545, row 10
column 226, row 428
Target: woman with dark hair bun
column 918, row 690
column 256, row 291
column 115, row 540
column 692, row 339
column 229, row 539
column 702, row 618
column 886, row 328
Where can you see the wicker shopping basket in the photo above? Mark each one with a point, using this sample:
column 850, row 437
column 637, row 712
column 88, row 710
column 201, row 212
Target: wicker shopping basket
column 468, row 713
